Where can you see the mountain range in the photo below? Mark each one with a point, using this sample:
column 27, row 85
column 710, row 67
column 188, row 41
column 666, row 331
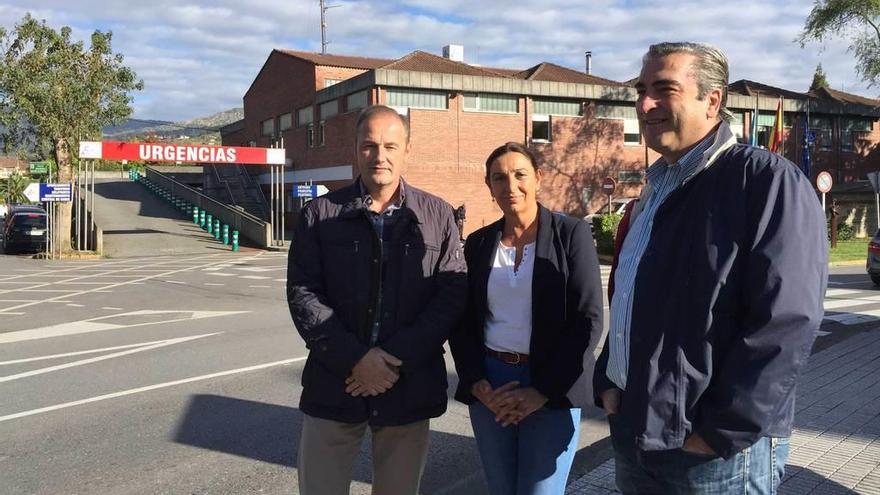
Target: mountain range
column 198, row 127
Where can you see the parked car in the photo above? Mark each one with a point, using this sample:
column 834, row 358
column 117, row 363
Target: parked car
column 873, row 264
column 617, row 206
column 24, row 229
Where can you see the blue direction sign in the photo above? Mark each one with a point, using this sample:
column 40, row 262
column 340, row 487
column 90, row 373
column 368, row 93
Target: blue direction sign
column 306, row 191
column 55, row 192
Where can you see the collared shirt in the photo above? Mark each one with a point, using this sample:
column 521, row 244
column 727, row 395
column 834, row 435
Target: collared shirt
column 663, row 178
column 383, row 224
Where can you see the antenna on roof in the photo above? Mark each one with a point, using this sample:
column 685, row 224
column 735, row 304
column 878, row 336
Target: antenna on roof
column 324, row 9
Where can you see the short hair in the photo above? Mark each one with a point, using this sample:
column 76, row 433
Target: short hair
column 376, row 110
column 511, row 147
column 710, row 69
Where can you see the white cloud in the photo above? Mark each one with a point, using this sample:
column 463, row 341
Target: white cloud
column 199, row 57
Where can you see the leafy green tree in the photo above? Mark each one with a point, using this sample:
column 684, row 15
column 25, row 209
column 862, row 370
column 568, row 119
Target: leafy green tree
column 858, row 18
column 819, row 79
column 64, row 91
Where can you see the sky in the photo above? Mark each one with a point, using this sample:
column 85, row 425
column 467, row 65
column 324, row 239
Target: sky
column 199, row 57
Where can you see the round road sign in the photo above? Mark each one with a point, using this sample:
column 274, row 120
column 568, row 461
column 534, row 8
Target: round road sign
column 608, row 185
column 824, row 182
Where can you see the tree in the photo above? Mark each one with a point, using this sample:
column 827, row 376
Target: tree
column 859, row 17
column 819, row 79
column 63, row 91
column 12, row 188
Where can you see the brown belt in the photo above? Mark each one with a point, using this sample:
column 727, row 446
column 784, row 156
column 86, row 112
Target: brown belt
column 508, row 357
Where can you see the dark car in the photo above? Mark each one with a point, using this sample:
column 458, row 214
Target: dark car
column 873, row 264
column 24, row 229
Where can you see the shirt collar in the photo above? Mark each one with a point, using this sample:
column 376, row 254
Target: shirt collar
column 690, row 163
column 368, row 200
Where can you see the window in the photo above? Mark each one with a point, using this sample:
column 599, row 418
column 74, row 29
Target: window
column 310, row 135
column 267, row 127
column 304, row 116
column 736, row 126
column 322, row 136
column 487, row 102
column 417, row 98
column 329, row 109
column 821, row 127
column 629, row 177
column 541, row 128
column 851, row 130
column 566, row 108
column 331, row 82
column 626, row 113
column 356, row 101
column 284, row 121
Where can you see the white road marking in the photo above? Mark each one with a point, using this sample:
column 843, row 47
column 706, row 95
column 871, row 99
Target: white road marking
column 847, row 303
column 213, row 284
column 73, row 305
column 846, row 283
column 841, row 292
column 255, row 277
column 148, row 388
column 43, row 290
column 56, row 269
column 11, row 313
column 260, row 268
column 15, row 300
column 259, row 286
column 220, row 274
column 175, row 282
column 281, row 280
column 111, row 308
column 81, row 362
column 95, row 325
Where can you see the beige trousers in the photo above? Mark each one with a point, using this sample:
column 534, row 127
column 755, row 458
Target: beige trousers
column 327, row 451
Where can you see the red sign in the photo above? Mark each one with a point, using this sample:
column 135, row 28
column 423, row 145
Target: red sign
column 609, row 185
column 824, row 182
column 157, row 152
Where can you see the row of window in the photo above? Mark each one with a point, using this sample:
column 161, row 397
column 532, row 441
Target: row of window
column 306, row 116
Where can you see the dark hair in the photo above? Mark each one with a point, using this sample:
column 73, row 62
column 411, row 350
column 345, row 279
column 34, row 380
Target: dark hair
column 376, row 110
column 510, row 147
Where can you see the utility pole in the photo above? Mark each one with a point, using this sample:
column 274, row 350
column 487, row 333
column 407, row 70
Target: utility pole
column 324, row 42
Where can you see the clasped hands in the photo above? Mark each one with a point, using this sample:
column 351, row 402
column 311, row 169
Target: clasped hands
column 509, row 403
column 374, row 374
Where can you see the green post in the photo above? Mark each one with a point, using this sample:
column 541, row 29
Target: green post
column 217, row 229
column 210, row 221
column 235, row 240
column 202, row 219
column 195, row 215
column 225, row 234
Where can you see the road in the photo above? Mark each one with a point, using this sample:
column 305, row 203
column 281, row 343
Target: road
column 182, row 375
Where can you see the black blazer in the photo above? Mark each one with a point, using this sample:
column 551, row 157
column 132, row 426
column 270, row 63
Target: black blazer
column 566, row 306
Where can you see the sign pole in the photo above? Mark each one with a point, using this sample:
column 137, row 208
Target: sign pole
column 282, row 196
column 92, row 216
column 272, row 200
column 877, row 202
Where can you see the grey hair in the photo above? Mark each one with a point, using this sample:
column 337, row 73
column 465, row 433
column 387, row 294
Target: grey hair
column 376, row 110
column 710, row 70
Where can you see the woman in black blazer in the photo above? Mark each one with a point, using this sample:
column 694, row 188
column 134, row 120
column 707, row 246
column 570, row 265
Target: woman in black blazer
column 535, row 296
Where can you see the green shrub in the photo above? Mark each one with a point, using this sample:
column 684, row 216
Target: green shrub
column 604, row 230
column 845, row 231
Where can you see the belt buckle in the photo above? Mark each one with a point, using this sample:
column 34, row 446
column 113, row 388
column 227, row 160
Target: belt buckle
column 518, row 358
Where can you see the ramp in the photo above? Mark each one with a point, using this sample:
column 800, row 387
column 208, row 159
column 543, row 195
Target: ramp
column 137, row 223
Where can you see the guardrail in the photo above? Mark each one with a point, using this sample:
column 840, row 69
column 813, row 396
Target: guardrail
column 257, row 230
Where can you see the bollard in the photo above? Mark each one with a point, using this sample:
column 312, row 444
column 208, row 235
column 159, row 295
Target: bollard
column 217, row 229
column 202, row 219
column 225, row 234
column 235, row 240
column 210, row 222
column 196, row 215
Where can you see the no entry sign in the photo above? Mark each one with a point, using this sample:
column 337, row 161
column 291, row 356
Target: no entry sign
column 156, row 152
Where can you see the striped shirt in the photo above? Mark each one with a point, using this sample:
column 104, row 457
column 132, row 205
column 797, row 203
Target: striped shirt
column 663, row 179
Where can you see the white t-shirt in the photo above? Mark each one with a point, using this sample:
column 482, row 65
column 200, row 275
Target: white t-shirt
column 509, row 300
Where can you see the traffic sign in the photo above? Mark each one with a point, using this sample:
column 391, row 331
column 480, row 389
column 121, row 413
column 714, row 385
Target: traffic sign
column 824, row 182
column 32, row 192
column 39, row 168
column 309, row 191
column 55, row 192
column 608, row 185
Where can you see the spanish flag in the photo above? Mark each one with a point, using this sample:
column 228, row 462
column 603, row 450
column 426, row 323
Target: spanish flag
column 775, row 144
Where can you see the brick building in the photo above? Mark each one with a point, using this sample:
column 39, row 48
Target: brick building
column 583, row 128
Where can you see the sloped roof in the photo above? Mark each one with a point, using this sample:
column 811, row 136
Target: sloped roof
column 547, row 71
column 338, row 60
column 842, row 97
column 752, row 88
column 419, row 61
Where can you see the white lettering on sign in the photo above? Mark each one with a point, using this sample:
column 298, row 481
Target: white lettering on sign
column 169, row 153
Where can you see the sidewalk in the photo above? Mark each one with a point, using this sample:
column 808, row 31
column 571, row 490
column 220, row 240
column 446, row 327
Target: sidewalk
column 835, row 447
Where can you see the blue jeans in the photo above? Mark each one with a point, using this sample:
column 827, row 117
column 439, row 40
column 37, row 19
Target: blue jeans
column 533, row 457
column 756, row 470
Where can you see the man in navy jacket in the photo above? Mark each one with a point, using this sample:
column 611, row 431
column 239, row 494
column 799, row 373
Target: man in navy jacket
column 718, row 292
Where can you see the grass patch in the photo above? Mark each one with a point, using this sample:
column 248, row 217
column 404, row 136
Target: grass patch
column 854, row 250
